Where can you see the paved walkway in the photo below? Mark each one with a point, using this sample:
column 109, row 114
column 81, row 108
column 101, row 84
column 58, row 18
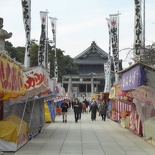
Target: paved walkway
column 86, row 138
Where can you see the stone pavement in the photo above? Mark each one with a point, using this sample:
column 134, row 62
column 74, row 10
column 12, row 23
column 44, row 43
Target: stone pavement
column 85, row 138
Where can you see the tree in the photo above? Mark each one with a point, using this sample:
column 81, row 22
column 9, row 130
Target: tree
column 11, row 50
column 15, row 53
column 65, row 63
column 34, row 55
column 20, row 54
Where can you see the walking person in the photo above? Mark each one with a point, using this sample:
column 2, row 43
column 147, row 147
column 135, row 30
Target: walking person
column 93, row 109
column 77, row 109
column 87, row 104
column 104, row 108
column 64, row 108
column 80, row 105
column 83, row 107
column 99, row 106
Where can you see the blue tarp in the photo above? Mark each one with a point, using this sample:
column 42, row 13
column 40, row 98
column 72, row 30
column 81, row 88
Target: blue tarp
column 51, row 107
column 59, row 103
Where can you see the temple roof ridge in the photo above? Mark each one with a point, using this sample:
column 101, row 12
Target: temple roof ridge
column 92, row 48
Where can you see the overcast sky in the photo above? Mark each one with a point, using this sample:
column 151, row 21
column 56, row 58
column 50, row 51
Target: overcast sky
column 79, row 23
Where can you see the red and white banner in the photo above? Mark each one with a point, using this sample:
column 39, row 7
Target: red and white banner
column 135, row 124
column 121, row 106
column 138, row 30
column 26, row 5
column 42, row 44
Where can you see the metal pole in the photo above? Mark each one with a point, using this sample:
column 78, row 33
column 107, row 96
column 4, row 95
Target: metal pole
column 118, row 32
column 47, row 42
column 144, row 25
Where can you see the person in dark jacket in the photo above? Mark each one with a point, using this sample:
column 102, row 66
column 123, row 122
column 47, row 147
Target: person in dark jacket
column 80, row 109
column 77, row 109
column 64, row 108
column 93, row 109
column 104, row 108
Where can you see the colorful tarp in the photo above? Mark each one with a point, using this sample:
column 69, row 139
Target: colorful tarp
column 36, row 81
column 144, row 98
column 11, row 79
column 10, row 128
column 47, row 113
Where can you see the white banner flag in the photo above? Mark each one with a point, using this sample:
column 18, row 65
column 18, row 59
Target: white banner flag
column 26, row 6
column 107, row 66
column 53, row 26
column 109, row 29
column 114, row 39
column 42, row 44
column 137, row 30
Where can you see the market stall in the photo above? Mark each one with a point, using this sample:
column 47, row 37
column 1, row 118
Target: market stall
column 13, row 134
column 121, row 102
column 29, row 107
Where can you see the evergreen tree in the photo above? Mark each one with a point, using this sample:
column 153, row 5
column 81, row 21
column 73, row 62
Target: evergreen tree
column 66, row 64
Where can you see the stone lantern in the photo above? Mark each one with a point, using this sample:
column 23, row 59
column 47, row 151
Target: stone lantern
column 3, row 35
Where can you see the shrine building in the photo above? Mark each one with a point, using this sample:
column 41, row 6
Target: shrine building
column 91, row 78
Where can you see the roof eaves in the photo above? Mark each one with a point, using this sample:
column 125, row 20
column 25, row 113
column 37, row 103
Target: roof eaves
column 135, row 64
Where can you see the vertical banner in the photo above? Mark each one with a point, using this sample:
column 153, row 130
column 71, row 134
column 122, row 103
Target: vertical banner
column 114, row 38
column 137, row 30
column 53, row 25
column 106, row 86
column 107, row 66
column 42, row 44
column 48, row 67
column 26, row 6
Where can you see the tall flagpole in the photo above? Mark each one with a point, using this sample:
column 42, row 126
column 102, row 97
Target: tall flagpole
column 53, row 24
column 144, row 25
column 47, row 40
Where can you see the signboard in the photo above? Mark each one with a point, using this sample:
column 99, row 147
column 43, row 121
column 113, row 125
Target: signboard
column 133, row 78
column 11, row 79
column 36, row 81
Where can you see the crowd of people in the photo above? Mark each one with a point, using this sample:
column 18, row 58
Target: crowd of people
column 93, row 107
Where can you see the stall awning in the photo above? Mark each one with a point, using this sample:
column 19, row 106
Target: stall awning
column 36, row 81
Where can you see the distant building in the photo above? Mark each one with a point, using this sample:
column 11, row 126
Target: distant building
column 91, row 78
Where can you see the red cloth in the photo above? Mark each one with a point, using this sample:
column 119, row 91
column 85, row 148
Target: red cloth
column 58, row 110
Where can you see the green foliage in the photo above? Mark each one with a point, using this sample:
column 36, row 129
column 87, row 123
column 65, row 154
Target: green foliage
column 20, row 54
column 17, row 53
column 65, row 63
column 34, row 55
